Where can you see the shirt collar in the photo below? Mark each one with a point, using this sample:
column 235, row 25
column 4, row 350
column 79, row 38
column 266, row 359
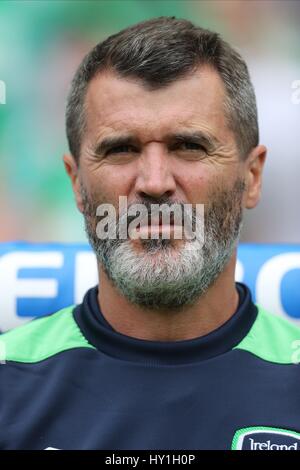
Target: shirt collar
column 100, row 334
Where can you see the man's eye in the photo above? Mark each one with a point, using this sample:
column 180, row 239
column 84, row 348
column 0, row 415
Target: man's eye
column 119, row 149
column 191, row 146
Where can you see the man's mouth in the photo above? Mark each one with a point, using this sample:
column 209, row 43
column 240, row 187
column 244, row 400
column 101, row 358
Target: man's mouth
column 156, row 225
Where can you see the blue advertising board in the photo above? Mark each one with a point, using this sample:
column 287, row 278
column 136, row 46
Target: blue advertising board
column 40, row 278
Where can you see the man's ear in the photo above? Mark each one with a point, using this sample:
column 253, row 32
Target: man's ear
column 254, row 169
column 72, row 170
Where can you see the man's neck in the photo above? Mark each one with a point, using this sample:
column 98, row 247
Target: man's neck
column 210, row 312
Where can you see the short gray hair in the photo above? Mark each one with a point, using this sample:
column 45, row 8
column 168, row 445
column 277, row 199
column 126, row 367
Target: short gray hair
column 158, row 52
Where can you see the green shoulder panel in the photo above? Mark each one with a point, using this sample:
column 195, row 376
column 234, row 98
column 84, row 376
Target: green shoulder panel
column 42, row 338
column 273, row 339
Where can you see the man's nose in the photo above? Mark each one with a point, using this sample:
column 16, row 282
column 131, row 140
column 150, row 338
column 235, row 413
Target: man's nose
column 155, row 177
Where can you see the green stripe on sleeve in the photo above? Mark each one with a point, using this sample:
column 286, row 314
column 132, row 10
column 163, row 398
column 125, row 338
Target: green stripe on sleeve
column 42, row 338
column 273, row 339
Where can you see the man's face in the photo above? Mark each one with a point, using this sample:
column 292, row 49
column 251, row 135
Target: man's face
column 156, row 161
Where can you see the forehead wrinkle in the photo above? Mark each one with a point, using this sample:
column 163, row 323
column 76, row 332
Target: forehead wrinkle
column 129, row 98
column 153, row 130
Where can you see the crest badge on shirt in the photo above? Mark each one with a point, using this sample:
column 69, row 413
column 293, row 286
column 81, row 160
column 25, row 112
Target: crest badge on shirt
column 265, row 438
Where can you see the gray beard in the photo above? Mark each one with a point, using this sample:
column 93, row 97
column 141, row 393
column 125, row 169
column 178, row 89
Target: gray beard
column 164, row 276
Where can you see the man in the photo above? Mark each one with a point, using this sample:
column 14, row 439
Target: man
column 168, row 352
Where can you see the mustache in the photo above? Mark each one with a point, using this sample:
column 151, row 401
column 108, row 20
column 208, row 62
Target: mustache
column 153, row 209
column 132, row 211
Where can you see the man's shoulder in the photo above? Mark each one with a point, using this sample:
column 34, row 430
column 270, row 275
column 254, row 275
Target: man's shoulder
column 273, row 338
column 42, row 338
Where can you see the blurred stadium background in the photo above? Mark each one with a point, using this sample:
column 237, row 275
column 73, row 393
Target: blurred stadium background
column 42, row 43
